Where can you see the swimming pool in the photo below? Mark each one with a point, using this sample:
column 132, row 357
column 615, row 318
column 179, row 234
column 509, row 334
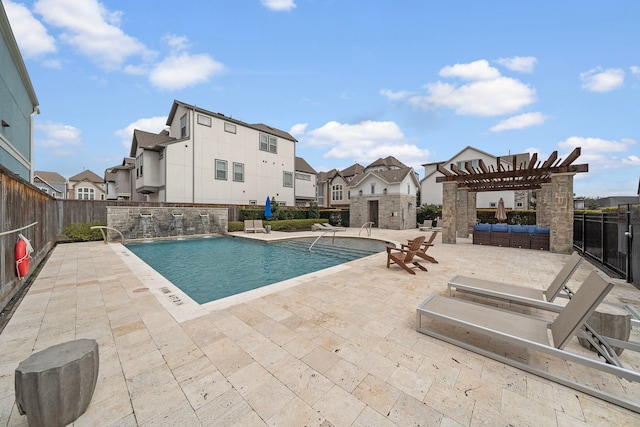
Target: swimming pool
column 208, row 269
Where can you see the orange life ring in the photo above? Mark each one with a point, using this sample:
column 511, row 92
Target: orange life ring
column 22, row 258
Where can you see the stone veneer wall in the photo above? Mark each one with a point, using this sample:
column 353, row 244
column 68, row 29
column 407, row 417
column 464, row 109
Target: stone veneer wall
column 462, row 220
column 449, row 199
column 561, row 238
column 472, row 211
column 388, row 204
column 543, row 206
column 136, row 222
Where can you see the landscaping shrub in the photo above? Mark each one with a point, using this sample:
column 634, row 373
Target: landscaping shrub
column 82, row 232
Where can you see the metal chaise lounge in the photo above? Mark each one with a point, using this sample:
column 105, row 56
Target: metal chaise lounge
column 531, row 297
column 498, row 327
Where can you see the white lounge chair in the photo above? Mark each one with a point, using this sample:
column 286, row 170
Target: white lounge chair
column 248, row 226
column 520, row 294
column 498, row 326
column 326, row 226
column 257, row 226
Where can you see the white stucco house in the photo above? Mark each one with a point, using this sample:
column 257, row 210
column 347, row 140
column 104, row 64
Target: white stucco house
column 305, row 183
column 431, row 191
column 207, row 157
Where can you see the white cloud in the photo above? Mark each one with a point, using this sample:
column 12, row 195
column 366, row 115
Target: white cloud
column 395, row 96
column 279, row 5
column 177, row 42
column 184, row 70
column 30, row 34
column 482, row 98
column 599, row 80
column 596, row 145
column 92, row 30
column 477, row 70
column 365, row 142
column 635, row 70
column 487, row 92
column 520, row 122
column 57, row 139
column 298, row 129
column 151, row 124
column 521, row 64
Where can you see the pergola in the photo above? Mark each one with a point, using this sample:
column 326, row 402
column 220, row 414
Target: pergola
column 553, row 179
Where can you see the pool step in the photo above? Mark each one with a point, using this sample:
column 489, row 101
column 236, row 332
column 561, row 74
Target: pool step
column 326, row 249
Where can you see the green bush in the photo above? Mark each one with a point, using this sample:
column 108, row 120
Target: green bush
column 83, row 232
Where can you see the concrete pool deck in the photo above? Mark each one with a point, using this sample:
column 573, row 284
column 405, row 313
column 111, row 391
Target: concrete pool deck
column 334, row 348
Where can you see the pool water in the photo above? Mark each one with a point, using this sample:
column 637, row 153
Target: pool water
column 208, row 269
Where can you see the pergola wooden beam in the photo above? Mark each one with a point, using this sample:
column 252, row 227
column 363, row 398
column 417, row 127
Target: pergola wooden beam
column 524, row 176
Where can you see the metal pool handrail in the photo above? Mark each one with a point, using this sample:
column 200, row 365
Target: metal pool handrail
column 320, row 236
column 368, row 225
column 18, row 229
column 104, row 235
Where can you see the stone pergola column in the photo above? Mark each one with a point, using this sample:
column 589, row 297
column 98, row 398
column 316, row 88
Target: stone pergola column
column 472, row 213
column 561, row 238
column 462, row 221
column 449, row 191
column 543, row 206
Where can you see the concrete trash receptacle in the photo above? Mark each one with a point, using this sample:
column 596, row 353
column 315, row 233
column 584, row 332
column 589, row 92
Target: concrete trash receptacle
column 55, row 386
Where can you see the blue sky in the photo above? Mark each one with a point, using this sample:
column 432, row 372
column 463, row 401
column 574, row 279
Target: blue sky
column 352, row 80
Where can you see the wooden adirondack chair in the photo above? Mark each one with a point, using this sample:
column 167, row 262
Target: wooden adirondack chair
column 405, row 257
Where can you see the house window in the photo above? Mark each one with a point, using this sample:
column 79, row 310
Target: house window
column 492, row 204
column 287, row 179
column 202, row 120
column 229, row 127
column 253, row 202
column 84, row 193
column 139, row 166
column 238, row 172
column 268, row 143
column 303, row 177
column 474, row 163
column 320, row 195
column 336, row 192
column 408, row 189
column 519, row 204
column 373, row 188
column 183, row 126
column 221, row 169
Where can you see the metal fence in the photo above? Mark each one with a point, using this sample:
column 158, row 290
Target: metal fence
column 611, row 239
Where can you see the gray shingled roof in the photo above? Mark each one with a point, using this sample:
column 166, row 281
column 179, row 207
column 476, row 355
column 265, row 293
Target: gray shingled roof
column 50, row 177
column 303, row 166
column 258, row 126
column 393, row 176
column 86, row 175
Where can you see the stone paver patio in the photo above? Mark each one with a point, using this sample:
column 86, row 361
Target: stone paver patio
column 334, row 348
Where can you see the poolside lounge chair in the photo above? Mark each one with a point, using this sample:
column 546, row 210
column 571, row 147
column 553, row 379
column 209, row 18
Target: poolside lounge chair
column 426, row 225
column 499, row 327
column 327, row 226
column 520, row 294
column 257, row 226
column 405, row 257
column 248, row 226
column 423, row 249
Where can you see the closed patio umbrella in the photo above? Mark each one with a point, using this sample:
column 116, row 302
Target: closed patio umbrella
column 267, row 208
column 501, row 214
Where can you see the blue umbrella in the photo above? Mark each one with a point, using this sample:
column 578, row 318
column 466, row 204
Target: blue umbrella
column 267, row 208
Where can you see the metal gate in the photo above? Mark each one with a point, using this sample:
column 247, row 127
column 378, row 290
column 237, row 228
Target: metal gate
column 612, row 239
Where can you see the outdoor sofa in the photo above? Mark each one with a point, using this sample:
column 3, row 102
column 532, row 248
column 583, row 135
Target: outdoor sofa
column 514, row 236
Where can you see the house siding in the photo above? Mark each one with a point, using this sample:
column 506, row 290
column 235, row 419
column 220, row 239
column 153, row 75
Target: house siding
column 191, row 164
column 18, row 104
